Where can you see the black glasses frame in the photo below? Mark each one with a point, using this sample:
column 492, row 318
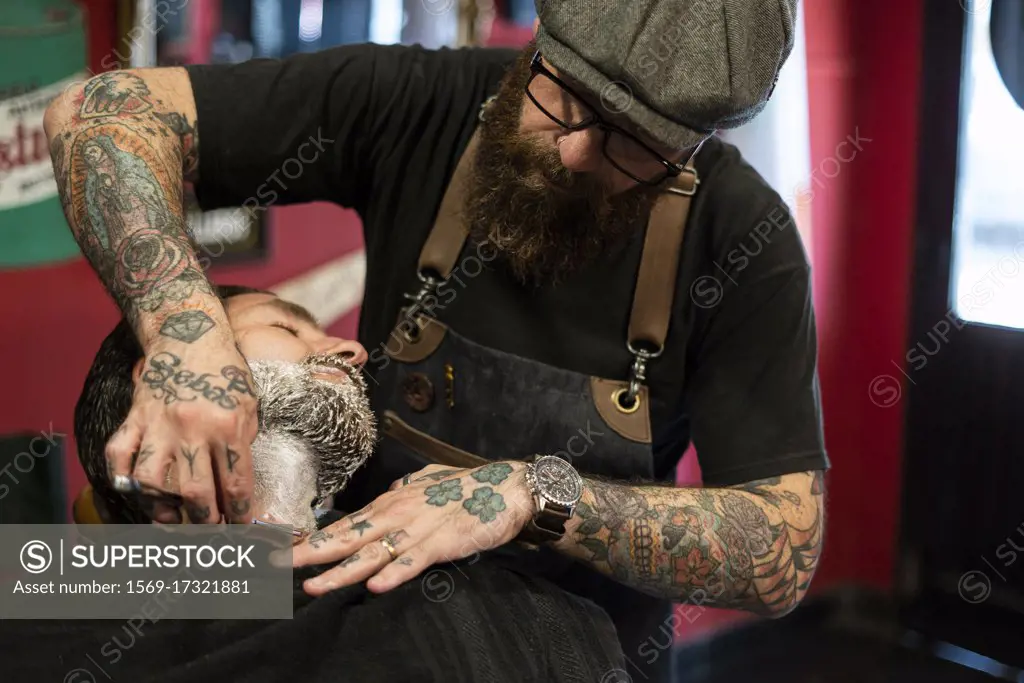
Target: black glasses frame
column 672, row 169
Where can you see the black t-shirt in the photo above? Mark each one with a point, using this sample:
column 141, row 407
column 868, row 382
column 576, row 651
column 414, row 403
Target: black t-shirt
column 379, row 129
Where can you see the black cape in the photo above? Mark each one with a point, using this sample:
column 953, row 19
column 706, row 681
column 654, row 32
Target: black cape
column 495, row 623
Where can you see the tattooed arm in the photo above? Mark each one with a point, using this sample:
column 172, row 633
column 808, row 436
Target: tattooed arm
column 122, row 145
column 753, row 547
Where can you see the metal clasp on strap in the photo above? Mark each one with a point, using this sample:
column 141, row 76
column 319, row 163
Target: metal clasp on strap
column 628, row 401
column 685, row 191
column 688, row 189
column 410, row 325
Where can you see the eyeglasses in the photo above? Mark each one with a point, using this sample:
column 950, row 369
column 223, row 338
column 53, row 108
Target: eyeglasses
column 625, row 151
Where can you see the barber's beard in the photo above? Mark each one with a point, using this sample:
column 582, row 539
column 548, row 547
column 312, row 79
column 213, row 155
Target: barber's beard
column 305, row 422
column 546, row 221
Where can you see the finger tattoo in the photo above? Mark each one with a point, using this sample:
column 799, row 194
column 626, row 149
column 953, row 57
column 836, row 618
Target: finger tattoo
column 142, row 456
column 319, row 537
column 396, row 537
column 233, row 458
column 240, row 507
column 190, row 455
column 197, row 513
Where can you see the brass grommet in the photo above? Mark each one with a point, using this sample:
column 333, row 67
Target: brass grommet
column 618, row 394
column 410, row 334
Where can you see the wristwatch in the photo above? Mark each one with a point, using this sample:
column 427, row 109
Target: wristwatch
column 557, row 489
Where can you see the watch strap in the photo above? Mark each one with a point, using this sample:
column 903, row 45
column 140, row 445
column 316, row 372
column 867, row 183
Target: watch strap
column 547, row 527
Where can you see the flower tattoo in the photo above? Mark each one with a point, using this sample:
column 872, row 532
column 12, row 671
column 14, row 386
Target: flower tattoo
column 485, row 504
column 494, row 474
column 444, row 493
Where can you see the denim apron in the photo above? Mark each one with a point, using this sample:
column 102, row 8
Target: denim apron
column 443, row 399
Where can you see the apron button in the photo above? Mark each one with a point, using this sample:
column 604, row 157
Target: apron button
column 418, row 391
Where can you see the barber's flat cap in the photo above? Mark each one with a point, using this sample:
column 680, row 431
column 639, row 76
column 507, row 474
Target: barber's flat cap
column 678, row 69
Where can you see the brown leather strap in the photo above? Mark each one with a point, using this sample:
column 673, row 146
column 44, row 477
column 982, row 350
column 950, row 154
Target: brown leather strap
column 656, row 280
column 435, row 450
column 445, row 241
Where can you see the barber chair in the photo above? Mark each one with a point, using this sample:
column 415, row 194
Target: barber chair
column 85, row 510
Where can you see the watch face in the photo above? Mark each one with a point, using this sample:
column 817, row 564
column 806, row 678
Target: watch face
column 558, row 481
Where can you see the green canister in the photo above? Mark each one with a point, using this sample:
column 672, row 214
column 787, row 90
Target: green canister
column 42, row 52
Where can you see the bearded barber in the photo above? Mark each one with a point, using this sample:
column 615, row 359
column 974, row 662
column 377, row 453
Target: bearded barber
column 562, row 261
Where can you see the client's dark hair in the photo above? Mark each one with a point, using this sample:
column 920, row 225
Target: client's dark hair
column 104, row 403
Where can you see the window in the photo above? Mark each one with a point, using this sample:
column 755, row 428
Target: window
column 987, row 282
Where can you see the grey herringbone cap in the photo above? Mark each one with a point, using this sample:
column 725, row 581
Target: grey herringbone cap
column 678, row 69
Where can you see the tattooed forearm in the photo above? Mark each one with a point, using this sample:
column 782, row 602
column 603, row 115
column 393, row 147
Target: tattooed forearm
column 752, row 547
column 119, row 153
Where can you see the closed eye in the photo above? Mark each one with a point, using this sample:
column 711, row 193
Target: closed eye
column 285, row 326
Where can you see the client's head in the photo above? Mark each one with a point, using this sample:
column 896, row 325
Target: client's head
column 315, row 423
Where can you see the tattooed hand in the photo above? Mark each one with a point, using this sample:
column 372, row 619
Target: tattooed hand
column 435, row 515
column 194, row 410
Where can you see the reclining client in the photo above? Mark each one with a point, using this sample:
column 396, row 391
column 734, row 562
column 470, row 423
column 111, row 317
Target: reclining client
column 494, row 623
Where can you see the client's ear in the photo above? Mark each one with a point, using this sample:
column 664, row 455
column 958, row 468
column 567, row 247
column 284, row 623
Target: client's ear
column 137, row 370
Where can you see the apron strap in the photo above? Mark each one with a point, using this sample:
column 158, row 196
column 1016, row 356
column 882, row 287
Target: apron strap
column 444, row 244
column 659, row 264
column 656, row 281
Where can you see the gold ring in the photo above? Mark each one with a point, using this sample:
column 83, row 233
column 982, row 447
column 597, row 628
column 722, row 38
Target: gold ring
column 389, row 546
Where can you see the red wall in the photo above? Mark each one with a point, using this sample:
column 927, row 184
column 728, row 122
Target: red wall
column 864, row 69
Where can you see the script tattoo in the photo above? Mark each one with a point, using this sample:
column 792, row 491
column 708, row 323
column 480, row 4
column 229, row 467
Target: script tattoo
column 754, row 546
column 120, row 185
column 187, row 326
column 168, row 381
column 114, row 94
